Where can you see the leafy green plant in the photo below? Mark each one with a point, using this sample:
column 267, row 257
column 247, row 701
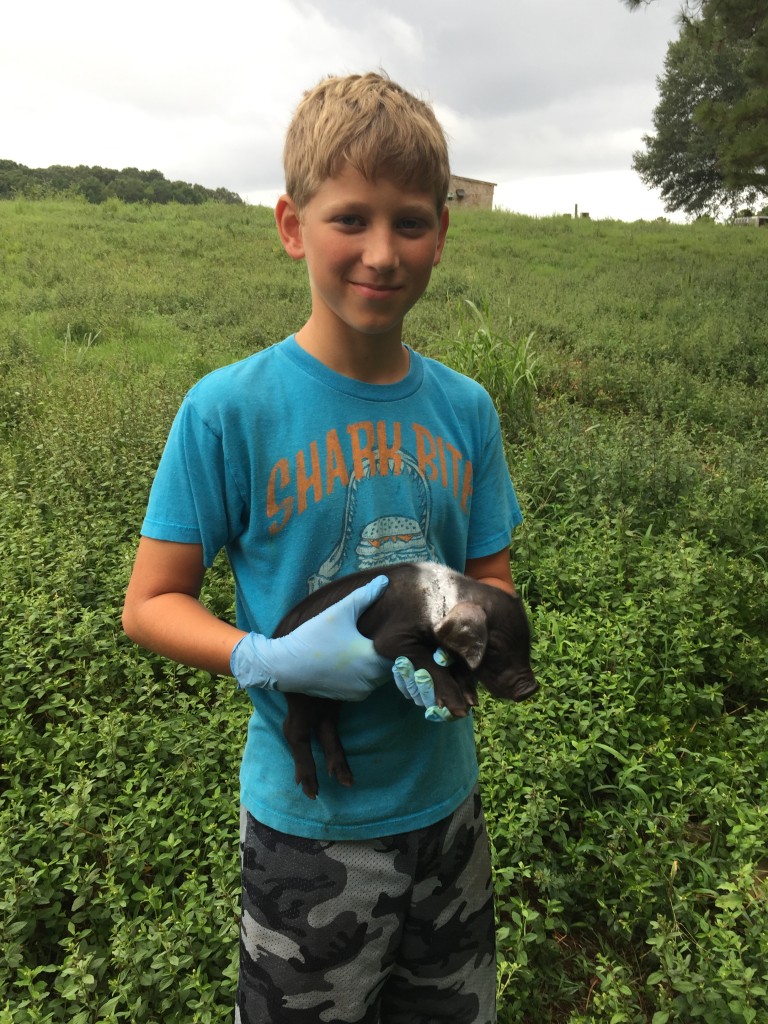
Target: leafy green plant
column 625, row 802
column 504, row 366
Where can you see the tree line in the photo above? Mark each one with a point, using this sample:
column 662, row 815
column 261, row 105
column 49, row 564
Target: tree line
column 97, row 184
column 709, row 148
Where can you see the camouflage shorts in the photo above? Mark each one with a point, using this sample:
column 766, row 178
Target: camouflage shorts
column 383, row 931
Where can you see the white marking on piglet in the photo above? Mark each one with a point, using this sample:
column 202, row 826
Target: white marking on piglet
column 438, row 583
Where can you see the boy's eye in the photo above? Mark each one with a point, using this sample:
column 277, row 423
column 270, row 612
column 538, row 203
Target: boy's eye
column 357, row 220
column 411, row 224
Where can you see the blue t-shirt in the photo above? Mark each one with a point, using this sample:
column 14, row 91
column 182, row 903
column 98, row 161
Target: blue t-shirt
column 303, row 475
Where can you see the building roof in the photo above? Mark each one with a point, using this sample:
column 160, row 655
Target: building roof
column 479, row 181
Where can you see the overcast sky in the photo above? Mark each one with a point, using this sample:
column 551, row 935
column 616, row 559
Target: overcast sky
column 547, row 98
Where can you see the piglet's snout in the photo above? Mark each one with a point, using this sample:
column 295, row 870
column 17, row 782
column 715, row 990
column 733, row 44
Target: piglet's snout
column 524, row 685
column 517, row 684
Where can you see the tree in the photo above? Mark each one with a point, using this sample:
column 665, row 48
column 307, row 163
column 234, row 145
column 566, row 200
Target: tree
column 682, row 157
column 710, row 149
column 735, row 17
column 158, row 191
column 93, row 189
column 98, row 183
column 128, row 186
column 11, row 178
column 743, row 124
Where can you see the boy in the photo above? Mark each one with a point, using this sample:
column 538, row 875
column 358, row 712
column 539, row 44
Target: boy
column 340, row 448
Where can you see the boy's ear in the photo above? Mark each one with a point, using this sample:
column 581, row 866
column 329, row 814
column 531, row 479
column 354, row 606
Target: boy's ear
column 444, row 218
column 289, row 227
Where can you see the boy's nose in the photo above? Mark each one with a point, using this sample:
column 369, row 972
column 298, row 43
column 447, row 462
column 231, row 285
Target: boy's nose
column 380, row 252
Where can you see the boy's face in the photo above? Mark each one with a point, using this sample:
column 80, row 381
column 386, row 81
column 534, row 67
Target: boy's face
column 370, row 248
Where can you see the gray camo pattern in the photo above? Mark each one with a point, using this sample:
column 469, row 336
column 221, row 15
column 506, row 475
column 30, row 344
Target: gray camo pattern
column 383, row 931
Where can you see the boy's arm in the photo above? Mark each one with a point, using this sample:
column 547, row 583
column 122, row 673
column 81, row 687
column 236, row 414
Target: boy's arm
column 325, row 657
column 162, row 611
column 492, row 569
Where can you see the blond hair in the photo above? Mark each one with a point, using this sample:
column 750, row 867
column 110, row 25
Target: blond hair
column 371, row 123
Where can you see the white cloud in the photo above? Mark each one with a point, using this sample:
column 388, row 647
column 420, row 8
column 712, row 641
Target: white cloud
column 604, row 195
column 532, row 90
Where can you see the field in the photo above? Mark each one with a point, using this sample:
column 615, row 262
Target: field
column 626, row 803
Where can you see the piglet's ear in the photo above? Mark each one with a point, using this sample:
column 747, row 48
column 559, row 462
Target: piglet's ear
column 464, row 631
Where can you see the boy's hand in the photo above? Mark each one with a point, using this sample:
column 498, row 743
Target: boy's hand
column 417, row 686
column 324, row 657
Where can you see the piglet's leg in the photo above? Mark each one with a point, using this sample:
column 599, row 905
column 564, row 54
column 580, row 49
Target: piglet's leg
column 297, row 729
column 465, row 680
column 448, row 692
column 326, row 730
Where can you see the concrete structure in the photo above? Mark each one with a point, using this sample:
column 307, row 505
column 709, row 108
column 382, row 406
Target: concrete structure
column 471, row 193
column 756, row 222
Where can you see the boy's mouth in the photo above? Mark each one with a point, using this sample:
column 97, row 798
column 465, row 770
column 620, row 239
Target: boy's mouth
column 375, row 290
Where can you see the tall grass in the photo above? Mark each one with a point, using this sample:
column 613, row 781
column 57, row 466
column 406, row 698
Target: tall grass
column 503, row 364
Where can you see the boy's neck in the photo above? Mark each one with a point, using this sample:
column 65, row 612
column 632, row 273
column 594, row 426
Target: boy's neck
column 372, row 360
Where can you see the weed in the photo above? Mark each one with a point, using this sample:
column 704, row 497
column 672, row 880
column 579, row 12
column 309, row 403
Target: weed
column 504, row 366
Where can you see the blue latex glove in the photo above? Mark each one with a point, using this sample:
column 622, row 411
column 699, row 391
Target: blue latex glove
column 417, row 686
column 324, row 657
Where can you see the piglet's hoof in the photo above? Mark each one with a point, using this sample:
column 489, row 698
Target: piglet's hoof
column 308, row 785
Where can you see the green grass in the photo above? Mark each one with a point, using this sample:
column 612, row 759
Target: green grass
column 629, row 364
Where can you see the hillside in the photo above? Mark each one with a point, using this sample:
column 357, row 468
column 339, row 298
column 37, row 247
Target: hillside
column 626, row 802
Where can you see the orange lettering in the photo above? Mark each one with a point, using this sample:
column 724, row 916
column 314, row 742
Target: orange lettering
column 313, row 481
column 335, row 468
column 455, row 460
column 388, row 452
column 362, row 448
column 425, row 451
column 466, row 492
column 285, row 506
column 443, row 467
